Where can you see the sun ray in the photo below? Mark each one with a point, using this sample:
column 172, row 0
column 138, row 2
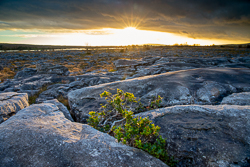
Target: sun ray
column 131, row 19
column 139, row 22
column 126, row 25
column 128, row 20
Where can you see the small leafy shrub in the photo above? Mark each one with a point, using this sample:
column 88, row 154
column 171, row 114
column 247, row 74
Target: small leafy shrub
column 118, row 120
column 153, row 104
column 142, row 134
column 112, row 111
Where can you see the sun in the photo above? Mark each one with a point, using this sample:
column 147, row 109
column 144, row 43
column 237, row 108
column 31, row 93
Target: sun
column 130, row 30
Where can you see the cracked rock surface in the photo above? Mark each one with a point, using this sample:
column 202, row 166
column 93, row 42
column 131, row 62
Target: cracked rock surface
column 11, row 103
column 62, row 108
column 194, row 86
column 40, row 135
column 237, row 99
column 203, row 135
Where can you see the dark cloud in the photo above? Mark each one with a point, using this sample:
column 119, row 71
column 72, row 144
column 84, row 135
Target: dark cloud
column 226, row 19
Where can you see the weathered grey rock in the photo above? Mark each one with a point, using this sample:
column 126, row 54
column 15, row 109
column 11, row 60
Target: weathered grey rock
column 76, row 84
column 198, row 61
column 244, row 59
column 165, row 67
column 210, row 91
column 11, row 103
column 196, row 86
column 41, row 136
column 4, row 86
column 26, row 72
column 33, row 84
column 237, row 99
column 97, row 80
column 121, row 63
column 240, row 65
column 151, row 59
column 55, row 90
column 205, row 135
column 52, row 69
column 62, row 108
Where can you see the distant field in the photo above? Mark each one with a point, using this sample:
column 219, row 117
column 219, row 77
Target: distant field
column 16, row 47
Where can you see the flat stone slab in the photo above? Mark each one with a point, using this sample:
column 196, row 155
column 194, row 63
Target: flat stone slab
column 47, row 68
column 204, row 86
column 237, row 99
column 10, row 103
column 204, row 135
column 40, row 135
column 121, row 63
column 62, row 108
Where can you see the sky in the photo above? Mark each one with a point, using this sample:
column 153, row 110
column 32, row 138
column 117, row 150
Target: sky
column 124, row 22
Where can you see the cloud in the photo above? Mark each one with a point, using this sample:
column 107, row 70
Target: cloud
column 193, row 18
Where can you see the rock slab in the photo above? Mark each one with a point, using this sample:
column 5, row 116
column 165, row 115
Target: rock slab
column 203, row 135
column 237, row 99
column 41, row 136
column 26, row 72
column 196, row 86
column 11, row 103
column 47, row 68
column 121, row 63
column 62, row 108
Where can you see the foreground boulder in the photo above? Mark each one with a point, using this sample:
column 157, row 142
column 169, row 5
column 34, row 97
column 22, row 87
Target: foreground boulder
column 195, row 86
column 41, row 136
column 12, row 102
column 205, row 135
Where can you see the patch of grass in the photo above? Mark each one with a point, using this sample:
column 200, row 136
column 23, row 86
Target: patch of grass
column 83, row 65
column 112, row 70
column 124, row 77
column 64, row 101
column 32, row 99
column 6, row 73
column 110, row 67
column 85, row 54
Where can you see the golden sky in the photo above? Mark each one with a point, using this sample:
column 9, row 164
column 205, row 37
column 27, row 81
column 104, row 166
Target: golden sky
column 117, row 22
